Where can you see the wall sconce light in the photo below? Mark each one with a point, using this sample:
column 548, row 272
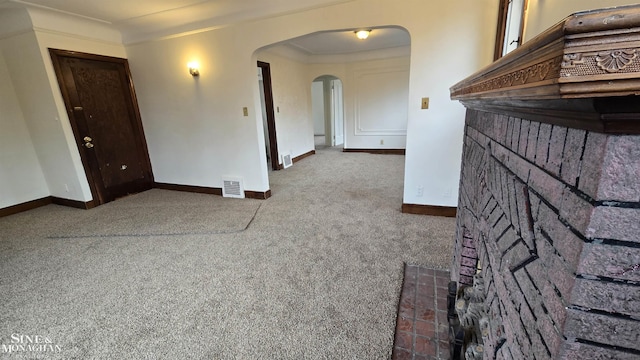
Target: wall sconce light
column 362, row 34
column 194, row 68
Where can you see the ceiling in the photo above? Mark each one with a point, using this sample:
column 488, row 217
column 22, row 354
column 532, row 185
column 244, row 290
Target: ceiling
column 173, row 13
column 144, row 19
column 345, row 42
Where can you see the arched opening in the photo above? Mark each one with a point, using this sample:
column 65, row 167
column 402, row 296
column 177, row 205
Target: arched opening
column 331, row 89
column 327, row 107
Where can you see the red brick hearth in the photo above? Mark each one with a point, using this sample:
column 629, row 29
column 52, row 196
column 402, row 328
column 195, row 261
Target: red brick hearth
column 421, row 327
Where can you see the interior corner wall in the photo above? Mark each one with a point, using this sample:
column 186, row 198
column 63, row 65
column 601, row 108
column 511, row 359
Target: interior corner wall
column 21, row 177
column 292, row 104
column 33, row 91
column 543, row 14
column 35, row 86
column 446, row 46
column 195, row 127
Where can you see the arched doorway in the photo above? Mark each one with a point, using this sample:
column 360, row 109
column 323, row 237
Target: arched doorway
column 327, row 106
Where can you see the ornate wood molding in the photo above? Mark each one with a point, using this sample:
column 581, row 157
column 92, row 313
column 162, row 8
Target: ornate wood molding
column 532, row 74
column 587, row 56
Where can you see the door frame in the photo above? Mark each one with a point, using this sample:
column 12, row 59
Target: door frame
column 56, row 55
column 330, row 107
column 337, row 107
column 271, row 117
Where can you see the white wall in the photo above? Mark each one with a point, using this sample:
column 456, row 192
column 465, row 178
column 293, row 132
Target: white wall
column 543, row 14
column 33, row 91
column 36, row 88
column 377, row 103
column 317, row 107
column 195, row 128
column 292, row 104
column 375, row 110
column 376, row 96
column 443, row 52
column 14, row 21
column 201, row 119
column 21, row 177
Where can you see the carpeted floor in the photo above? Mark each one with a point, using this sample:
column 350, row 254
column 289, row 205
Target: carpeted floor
column 314, row 272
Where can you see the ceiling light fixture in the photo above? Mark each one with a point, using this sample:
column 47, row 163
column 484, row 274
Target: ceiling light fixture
column 362, row 34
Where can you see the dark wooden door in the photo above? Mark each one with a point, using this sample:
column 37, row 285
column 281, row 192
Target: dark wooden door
column 271, row 117
column 103, row 111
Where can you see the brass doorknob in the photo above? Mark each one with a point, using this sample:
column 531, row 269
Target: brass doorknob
column 87, row 139
column 88, row 145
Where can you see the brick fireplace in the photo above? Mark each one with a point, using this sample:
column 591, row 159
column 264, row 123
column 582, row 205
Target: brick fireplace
column 549, row 201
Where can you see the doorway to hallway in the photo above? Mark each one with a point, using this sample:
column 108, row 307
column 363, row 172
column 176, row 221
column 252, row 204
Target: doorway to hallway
column 327, row 106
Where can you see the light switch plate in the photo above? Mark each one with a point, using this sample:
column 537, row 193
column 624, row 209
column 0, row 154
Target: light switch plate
column 425, row 103
column 245, row 111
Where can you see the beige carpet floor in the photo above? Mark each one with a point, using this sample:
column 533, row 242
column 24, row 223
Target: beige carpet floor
column 314, row 272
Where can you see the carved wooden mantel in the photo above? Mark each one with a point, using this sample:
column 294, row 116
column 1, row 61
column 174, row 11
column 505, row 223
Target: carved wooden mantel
column 584, row 72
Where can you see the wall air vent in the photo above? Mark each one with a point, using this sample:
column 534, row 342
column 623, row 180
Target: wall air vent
column 286, row 161
column 232, row 187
